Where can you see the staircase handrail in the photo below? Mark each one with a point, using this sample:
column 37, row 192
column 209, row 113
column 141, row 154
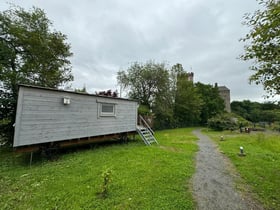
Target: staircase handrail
column 146, row 124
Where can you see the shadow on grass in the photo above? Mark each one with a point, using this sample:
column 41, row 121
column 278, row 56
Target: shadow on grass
column 8, row 157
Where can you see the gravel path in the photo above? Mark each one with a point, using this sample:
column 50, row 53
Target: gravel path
column 213, row 183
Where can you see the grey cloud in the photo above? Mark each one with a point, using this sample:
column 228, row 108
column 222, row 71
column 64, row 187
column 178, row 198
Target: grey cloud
column 107, row 36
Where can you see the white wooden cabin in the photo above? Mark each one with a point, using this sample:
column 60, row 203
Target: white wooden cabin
column 47, row 115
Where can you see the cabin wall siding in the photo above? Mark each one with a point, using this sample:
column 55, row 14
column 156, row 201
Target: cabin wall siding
column 42, row 117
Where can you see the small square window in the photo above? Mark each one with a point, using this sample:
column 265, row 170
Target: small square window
column 107, row 109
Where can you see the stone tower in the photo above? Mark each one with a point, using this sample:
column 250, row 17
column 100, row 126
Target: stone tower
column 225, row 94
column 190, row 76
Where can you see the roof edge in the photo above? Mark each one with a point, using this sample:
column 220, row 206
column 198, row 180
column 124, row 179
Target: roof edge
column 73, row 92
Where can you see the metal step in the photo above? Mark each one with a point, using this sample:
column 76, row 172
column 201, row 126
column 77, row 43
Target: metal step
column 146, row 135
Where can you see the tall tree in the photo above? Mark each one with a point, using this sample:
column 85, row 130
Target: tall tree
column 144, row 81
column 163, row 110
column 188, row 102
column 213, row 104
column 163, row 107
column 247, row 109
column 30, row 53
column 263, row 45
column 165, row 101
column 176, row 70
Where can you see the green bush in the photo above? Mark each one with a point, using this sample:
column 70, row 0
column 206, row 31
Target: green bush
column 5, row 131
column 223, row 122
column 144, row 110
column 276, row 126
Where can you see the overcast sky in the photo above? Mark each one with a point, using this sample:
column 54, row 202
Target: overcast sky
column 109, row 35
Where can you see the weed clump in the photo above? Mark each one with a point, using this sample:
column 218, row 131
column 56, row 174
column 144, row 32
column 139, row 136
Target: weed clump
column 106, row 179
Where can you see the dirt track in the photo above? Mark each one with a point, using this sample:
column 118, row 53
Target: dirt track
column 213, row 182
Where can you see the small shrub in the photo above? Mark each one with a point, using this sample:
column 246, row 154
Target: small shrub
column 106, row 178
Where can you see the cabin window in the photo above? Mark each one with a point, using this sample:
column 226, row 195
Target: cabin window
column 107, row 109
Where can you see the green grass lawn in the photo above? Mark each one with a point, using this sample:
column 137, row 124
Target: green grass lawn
column 260, row 168
column 142, row 177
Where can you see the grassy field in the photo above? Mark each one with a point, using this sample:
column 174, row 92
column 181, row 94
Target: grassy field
column 139, row 177
column 260, row 168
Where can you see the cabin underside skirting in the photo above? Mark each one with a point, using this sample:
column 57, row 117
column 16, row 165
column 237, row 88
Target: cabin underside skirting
column 73, row 142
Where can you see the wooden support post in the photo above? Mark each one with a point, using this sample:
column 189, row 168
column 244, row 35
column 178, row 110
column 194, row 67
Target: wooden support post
column 31, row 157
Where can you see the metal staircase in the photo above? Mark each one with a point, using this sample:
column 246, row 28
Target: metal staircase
column 145, row 131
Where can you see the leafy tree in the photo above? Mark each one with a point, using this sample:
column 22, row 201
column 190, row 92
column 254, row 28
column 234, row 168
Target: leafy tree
column 163, row 109
column 270, row 116
column 188, row 102
column 165, row 101
column 144, row 81
column 247, row 109
column 269, row 106
column 30, row 53
column 176, row 70
column 254, row 116
column 263, row 45
column 174, row 100
column 256, row 112
column 149, row 84
column 212, row 105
